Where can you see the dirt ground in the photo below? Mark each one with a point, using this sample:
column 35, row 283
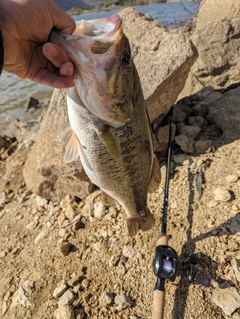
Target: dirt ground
column 92, row 269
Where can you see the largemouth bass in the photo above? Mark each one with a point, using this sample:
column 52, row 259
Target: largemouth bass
column 109, row 126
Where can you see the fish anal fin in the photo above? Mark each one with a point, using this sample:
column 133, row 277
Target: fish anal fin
column 145, row 222
column 108, row 200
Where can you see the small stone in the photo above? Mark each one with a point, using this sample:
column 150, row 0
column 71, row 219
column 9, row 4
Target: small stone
column 106, row 299
column 202, row 146
column 99, row 210
column 64, row 312
column 4, row 307
column 190, row 131
column 186, row 144
column 42, row 235
column 2, row 199
column 128, row 252
column 85, row 283
column 196, row 121
column 123, row 301
column 32, row 225
column 238, row 172
column 71, row 210
column 182, row 159
column 3, row 254
column 64, row 248
column 40, row 201
column 222, row 194
column 232, row 178
column 20, row 298
column 227, row 299
column 236, row 315
column 79, row 314
column 62, row 286
column 66, row 299
column 114, row 261
column 234, row 226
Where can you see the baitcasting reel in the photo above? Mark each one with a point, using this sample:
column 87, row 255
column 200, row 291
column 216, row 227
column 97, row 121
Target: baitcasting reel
column 168, row 265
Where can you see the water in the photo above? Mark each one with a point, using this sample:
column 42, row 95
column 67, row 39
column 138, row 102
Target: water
column 15, row 93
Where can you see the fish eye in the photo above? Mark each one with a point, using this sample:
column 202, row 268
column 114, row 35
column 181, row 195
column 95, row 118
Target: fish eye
column 125, row 58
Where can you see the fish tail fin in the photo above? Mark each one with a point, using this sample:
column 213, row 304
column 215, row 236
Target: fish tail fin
column 145, row 221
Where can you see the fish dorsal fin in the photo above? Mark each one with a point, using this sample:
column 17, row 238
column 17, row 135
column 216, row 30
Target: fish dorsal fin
column 73, row 148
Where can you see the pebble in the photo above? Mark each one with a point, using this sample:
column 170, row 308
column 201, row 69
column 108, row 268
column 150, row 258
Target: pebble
column 128, row 252
column 186, row 144
column 71, row 210
column 85, row 283
column 222, row 194
column 106, row 299
column 79, row 314
column 99, row 210
column 2, row 199
column 64, row 312
column 201, row 146
column 32, row 225
column 182, row 159
column 20, row 298
column 62, row 286
column 123, row 301
column 232, row 178
column 227, row 299
column 66, row 299
column 42, row 235
column 196, row 121
column 40, row 201
column 64, row 248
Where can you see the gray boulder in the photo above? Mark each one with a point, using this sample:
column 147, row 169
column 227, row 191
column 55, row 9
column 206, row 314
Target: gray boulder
column 44, row 172
column 163, row 59
column 225, row 113
column 217, row 39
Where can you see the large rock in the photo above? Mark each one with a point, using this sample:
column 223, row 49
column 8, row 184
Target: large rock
column 44, row 172
column 225, row 113
column 217, row 38
column 215, row 10
column 163, row 59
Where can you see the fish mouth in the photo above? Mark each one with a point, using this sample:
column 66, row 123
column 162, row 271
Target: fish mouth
column 93, row 49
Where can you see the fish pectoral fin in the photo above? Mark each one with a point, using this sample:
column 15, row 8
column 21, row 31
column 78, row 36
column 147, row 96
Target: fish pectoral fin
column 155, row 178
column 107, row 140
column 73, row 148
column 107, row 200
column 144, row 221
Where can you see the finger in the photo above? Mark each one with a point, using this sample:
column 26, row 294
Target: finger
column 55, row 54
column 45, row 77
column 67, row 70
column 61, row 20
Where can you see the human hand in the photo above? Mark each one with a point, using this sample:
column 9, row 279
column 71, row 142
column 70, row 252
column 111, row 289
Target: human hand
column 25, row 27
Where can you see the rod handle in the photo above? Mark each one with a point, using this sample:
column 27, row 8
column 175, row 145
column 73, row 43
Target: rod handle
column 158, row 304
column 163, row 240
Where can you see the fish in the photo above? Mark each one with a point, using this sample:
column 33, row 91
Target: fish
column 109, row 124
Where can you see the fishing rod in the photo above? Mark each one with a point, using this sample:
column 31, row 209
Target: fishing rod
column 167, row 265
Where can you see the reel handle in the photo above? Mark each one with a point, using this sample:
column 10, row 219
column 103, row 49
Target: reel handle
column 159, row 295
